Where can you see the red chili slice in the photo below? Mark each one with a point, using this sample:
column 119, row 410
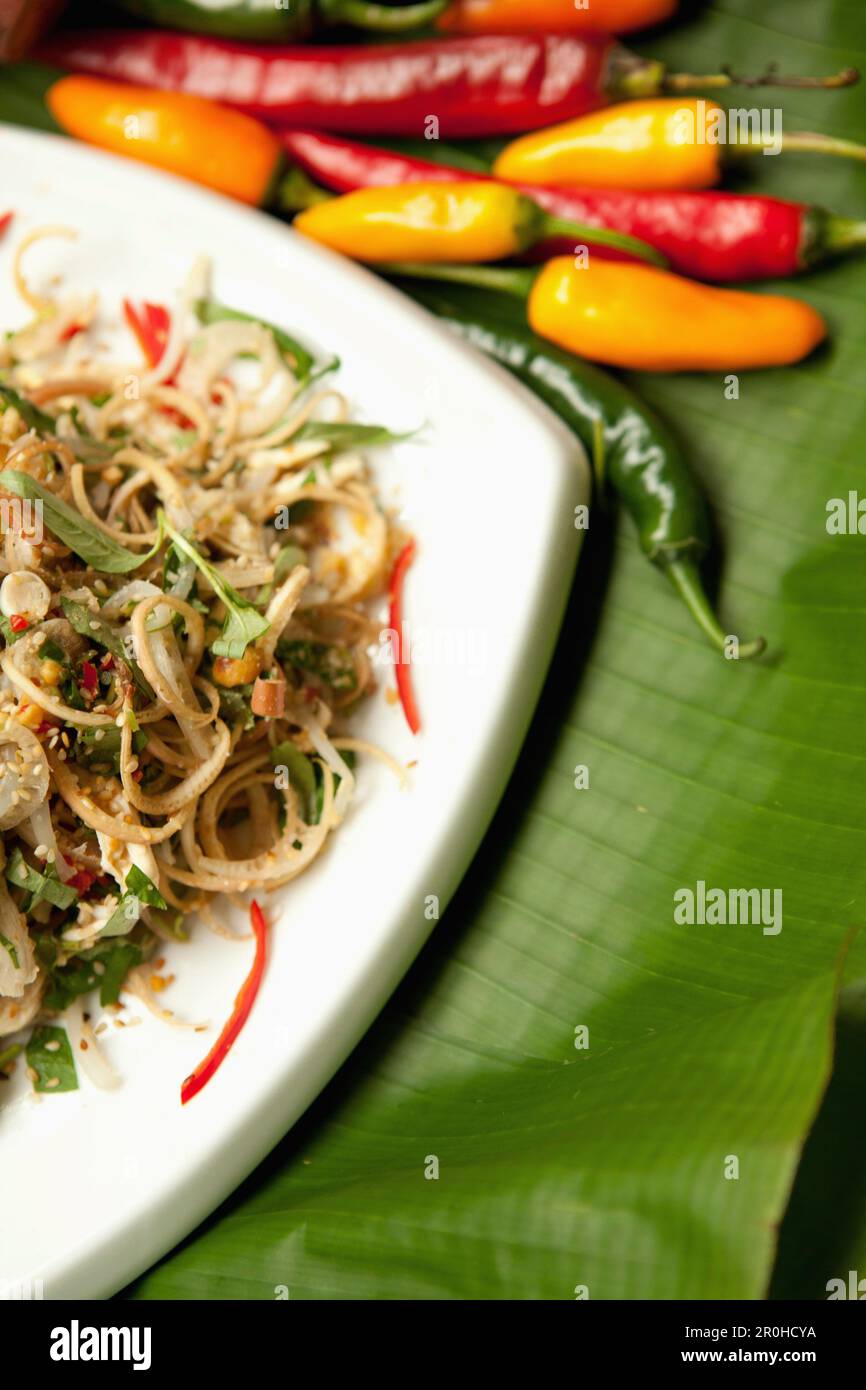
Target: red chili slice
column 89, row 677
column 240, row 1013
column 395, row 622
column 18, row 623
column 151, row 326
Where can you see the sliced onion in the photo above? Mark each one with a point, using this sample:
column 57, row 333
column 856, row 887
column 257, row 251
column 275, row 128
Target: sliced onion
column 14, row 978
column 196, row 287
column 86, row 1049
column 24, row 774
column 216, row 346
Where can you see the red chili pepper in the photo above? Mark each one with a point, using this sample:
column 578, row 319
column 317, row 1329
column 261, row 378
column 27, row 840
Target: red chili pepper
column 151, row 326
column 481, row 84
column 107, row 662
column 18, row 623
column 395, row 622
column 89, row 677
column 5, row 220
column 708, row 236
column 82, row 881
column 240, row 1013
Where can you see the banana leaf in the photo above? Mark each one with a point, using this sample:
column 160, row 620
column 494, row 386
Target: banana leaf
column 472, row 1147
column 659, row 1161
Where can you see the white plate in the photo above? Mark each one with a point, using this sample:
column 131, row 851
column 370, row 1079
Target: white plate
column 100, row 1184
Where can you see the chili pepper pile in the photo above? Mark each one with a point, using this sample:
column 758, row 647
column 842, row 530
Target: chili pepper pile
column 607, row 179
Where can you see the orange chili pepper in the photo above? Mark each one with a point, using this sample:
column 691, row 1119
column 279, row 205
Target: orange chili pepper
column 644, row 319
column 454, row 222
column 664, row 142
column 186, row 135
column 538, row 16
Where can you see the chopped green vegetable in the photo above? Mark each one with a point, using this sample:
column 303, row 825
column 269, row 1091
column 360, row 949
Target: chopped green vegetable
column 50, row 1057
column 235, row 705
column 208, row 311
column 301, row 773
column 331, row 662
column 8, row 1054
column 88, row 542
column 10, row 948
column 244, row 623
column 115, row 959
column 100, row 632
column 45, row 887
column 288, row 557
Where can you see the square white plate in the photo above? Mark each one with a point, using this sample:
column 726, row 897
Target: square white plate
column 489, row 488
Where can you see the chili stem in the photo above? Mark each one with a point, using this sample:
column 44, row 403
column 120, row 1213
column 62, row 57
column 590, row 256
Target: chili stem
column 687, row 582
column 602, row 236
column 508, row 279
column 843, row 234
column 382, row 19
column 770, row 77
column 804, row 142
column 296, row 191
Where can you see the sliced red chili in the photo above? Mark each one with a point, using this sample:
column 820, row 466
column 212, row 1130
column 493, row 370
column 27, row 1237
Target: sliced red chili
column 18, row 623
column 240, row 1013
column 151, row 326
column 89, row 677
column 395, row 622
column 82, row 880
column 5, row 220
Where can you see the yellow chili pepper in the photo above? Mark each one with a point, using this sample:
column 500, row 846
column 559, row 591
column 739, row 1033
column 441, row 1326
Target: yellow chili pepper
column 653, row 321
column 188, row 135
column 663, row 143
column 455, row 222
column 645, row 319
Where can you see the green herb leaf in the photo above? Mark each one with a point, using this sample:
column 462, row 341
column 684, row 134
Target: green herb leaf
column 33, row 417
column 208, row 311
column 97, row 630
column 49, row 1055
column 301, row 772
column 89, row 543
column 42, row 886
column 349, row 436
column 145, row 890
column 67, row 982
column 288, row 557
column 244, row 623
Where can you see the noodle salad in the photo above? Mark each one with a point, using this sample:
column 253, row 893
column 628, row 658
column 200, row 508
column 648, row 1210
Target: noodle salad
column 190, row 547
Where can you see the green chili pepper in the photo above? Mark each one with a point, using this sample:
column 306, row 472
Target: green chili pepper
column 247, row 19
column 632, row 449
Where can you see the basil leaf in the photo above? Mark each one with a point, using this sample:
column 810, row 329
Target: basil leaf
column 244, row 623
column 42, row 886
column 67, row 982
column 49, row 1055
column 33, row 417
column 349, row 436
column 89, row 543
column 208, row 311
column 117, row 966
column 97, row 630
column 145, row 890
